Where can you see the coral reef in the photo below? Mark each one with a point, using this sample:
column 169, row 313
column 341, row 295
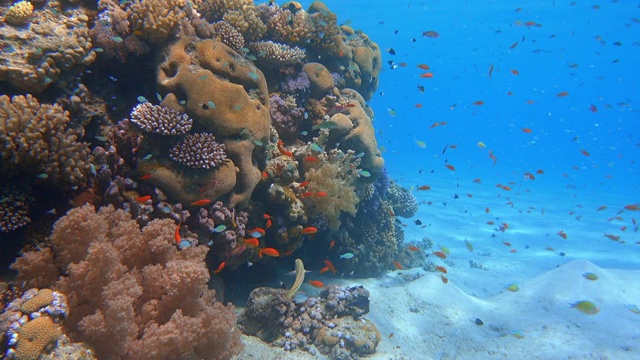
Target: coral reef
column 327, row 321
column 133, row 287
column 403, row 203
column 19, row 13
column 160, row 120
column 156, row 20
column 199, row 151
column 14, row 206
column 55, row 42
column 35, row 138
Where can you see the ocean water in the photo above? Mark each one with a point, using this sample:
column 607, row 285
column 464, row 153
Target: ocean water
column 515, row 124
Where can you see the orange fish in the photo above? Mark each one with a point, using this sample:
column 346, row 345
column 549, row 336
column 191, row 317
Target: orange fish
column 426, row 75
column 424, row 187
column 332, row 244
column 444, row 279
column 143, row 199
column 585, row 152
column 303, row 184
column 434, row 125
column 413, row 248
column 253, row 242
column 440, row 254
column 222, row 264
column 515, row 72
column 612, row 237
column 397, row 265
column 513, row 46
column 320, row 194
column 330, row 266
column 202, row 202
column 282, row 150
column 145, row 177
column 632, row 207
column 506, row 243
column 316, row 283
column 527, row 130
column 601, row 208
column 562, row 234
column 311, row 159
column 513, row 250
column 477, row 180
column 506, row 226
column 490, row 223
column 177, row 235
column 306, row 194
column 562, row 94
column 540, row 171
column 423, row 66
column 324, row 270
column 269, row 252
column 268, row 223
column 529, row 176
column 478, row 103
column 418, row 106
column 441, row 269
column 450, row 167
column 309, row 230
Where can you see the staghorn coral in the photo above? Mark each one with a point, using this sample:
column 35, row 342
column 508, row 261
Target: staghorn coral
column 156, row 20
column 14, row 206
column 275, row 55
column 19, row 13
column 134, row 287
column 160, row 120
column 55, row 42
column 35, row 138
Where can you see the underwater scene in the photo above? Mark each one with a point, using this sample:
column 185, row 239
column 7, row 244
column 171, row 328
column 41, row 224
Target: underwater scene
column 397, row 180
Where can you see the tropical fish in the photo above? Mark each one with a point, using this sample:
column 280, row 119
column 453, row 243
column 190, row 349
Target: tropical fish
column 444, row 249
column 440, row 254
column 450, row 167
column 444, row 279
column 441, row 269
column 413, row 248
column 513, row 287
column 316, row 283
column 514, row 72
column 601, row 208
column 633, row 308
column 527, row 130
column 269, row 252
column 309, row 230
column 562, row 94
column 346, row 256
column 468, row 245
column 423, row 66
column 586, row 307
column 611, row 237
column 430, row 34
column 177, row 235
column 516, row 334
column 478, row 103
column 397, row 265
column 220, row 267
column 585, row 152
column 253, row 242
column 202, row 202
column 424, row 187
column 426, row 75
column 143, row 199
column 562, row 234
column 590, row 276
column 220, row 228
column 145, row 177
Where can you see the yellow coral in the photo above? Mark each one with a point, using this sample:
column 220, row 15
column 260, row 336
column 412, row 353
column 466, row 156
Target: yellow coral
column 155, row 20
column 35, row 336
column 19, row 13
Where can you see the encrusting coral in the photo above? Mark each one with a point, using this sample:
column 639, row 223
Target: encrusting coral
column 133, row 287
column 35, row 138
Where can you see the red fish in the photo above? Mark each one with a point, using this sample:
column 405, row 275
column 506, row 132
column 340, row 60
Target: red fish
column 222, row 264
column 320, row 194
column 426, row 75
column 309, row 230
column 424, row 187
column 513, row 46
column 441, row 269
column 601, row 208
column 316, row 283
column 269, row 252
column 303, row 184
column 202, row 202
column 562, row 94
column 397, row 265
column 632, row 207
column 312, row 159
column 440, row 254
column 145, row 177
column 282, row 150
column 562, row 234
column 444, row 279
column 585, row 152
column 478, row 103
column 515, row 72
column 331, row 244
column 450, row 167
column 143, row 199
column 527, row 130
column 253, row 242
column 593, row 108
column 177, row 235
column 237, row 251
column 413, row 248
column 423, row 66
column 330, row 266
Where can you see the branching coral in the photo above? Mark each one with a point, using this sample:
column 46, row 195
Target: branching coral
column 229, row 35
column 275, row 55
column 35, row 138
column 200, row 151
column 160, row 120
column 135, row 288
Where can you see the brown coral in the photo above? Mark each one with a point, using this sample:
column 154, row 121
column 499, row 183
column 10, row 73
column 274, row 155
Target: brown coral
column 14, row 206
column 156, row 20
column 19, row 13
column 35, row 138
column 200, row 151
column 56, row 41
column 136, row 288
column 275, row 55
column 35, row 336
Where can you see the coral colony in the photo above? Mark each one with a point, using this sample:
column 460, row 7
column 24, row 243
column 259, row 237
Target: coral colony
column 167, row 142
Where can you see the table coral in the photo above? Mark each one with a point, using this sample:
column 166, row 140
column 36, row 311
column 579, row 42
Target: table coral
column 55, row 42
column 135, row 288
column 35, row 138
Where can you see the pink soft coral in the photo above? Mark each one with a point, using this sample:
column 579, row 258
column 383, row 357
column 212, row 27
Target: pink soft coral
column 132, row 294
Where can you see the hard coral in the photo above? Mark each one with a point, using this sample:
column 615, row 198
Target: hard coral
column 19, row 13
column 136, row 288
column 200, row 151
column 275, row 55
column 35, row 138
column 14, row 207
column 156, row 20
column 160, row 120
column 55, row 42
column 227, row 96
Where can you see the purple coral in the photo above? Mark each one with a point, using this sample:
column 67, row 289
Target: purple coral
column 296, row 84
column 285, row 116
column 160, row 120
column 200, row 151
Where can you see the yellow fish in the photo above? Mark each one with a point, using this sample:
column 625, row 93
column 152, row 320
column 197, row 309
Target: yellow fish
column 586, row 307
column 513, row 287
column 445, row 249
column 590, row 276
column 481, row 145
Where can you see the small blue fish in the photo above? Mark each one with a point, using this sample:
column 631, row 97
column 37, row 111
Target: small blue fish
column 98, row 49
column 364, row 173
column 633, row 308
column 159, row 97
column 142, row 99
column 346, row 256
column 256, row 234
column 258, row 142
column 211, row 104
column 220, row 228
column 147, row 157
column 42, row 176
column 360, row 155
column 304, row 133
column 117, row 39
column 100, row 138
column 316, row 148
column 92, row 169
column 253, row 75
